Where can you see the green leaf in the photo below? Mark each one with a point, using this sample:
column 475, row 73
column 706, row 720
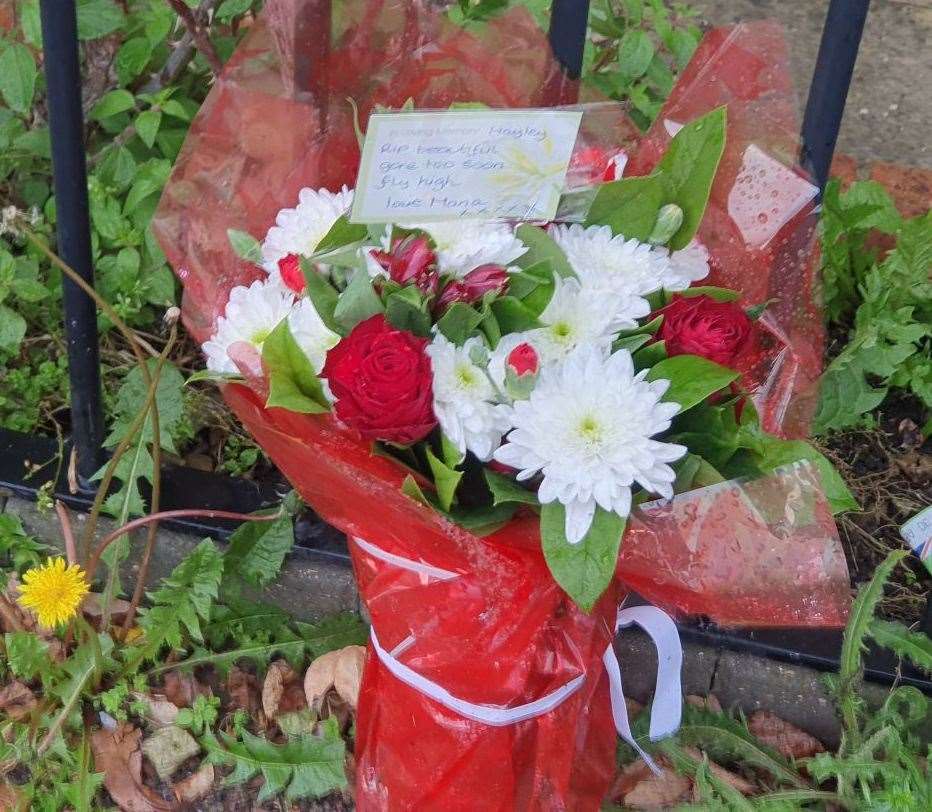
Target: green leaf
column 534, row 286
column 245, row 246
column 719, row 294
column 357, row 302
column 27, row 654
column 412, row 490
column 459, row 322
column 542, row 248
column 304, row 767
column 776, row 452
column 147, row 126
column 257, row 550
column 445, row 478
column 692, row 379
column 97, row 18
column 81, row 791
column 322, row 294
column 258, row 653
column 727, row 740
column 232, row 8
column 688, row 168
column 407, row 309
column 131, row 396
column 850, row 670
column 913, row 646
column 17, row 77
column 583, row 570
column 628, row 206
column 505, row 490
column 12, row 329
column 132, row 58
column 293, row 384
column 181, row 604
column 635, row 52
column 513, row 316
column 342, row 234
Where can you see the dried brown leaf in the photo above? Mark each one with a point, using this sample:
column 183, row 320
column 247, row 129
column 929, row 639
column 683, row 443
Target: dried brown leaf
column 16, row 700
column 633, row 707
column 785, row 738
column 117, row 754
column 318, row 679
column 281, row 691
column 181, row 689
column 195, row 786
column 638, row 788
column 9, row 797
column 243, row 689
column 347, row 673
column 159, row 711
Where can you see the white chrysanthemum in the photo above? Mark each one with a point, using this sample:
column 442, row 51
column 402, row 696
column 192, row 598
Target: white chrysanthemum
column 610, row 263
column 578, row 315
column 300, row 230
column 686, row 266
column 464, row 399
column 253, row 312
column 466, row 244
column 587, row 427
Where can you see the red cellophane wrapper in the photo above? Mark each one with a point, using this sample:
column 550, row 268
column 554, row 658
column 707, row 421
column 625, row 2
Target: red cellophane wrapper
column 502, row 633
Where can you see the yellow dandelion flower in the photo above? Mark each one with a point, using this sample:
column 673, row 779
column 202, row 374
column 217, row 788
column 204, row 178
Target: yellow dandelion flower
column 53, row 591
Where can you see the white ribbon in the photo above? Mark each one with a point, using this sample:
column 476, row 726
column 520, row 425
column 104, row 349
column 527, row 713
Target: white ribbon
column 666, row 709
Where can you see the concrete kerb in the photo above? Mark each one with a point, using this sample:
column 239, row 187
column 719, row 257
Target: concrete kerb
column 311, row 586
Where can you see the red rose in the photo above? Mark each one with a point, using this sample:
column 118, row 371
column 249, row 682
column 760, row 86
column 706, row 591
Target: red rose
column 472, row 287
column 698, row 325
column 292, row 275
column 381, row 379
column 411, row 262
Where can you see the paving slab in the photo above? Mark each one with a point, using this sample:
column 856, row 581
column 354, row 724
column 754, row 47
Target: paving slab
column 889, row 110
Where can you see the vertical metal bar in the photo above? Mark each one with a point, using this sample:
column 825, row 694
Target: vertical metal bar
column 66, row 125
column 568, row 21
column 841, row 36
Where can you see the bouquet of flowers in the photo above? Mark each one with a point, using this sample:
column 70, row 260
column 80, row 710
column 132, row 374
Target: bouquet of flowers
column 515, row 423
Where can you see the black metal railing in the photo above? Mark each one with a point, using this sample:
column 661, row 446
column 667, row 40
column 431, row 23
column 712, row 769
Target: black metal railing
column 837, row 54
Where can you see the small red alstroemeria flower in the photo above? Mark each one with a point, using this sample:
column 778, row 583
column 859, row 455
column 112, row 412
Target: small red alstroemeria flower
column 472, row 287
column 411, row 262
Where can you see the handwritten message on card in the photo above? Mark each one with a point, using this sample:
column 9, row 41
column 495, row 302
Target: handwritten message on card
column 481, row 164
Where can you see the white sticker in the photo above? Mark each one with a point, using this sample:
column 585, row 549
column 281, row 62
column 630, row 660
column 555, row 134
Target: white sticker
column 918, row 534
column 480, row 164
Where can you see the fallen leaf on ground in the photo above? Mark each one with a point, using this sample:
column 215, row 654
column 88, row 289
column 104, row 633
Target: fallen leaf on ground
column 168, row 748
column 118, row 756
column 16, row 700
column 159, row 711
column 318, row 679
column 916, row 466
column 743, row 786
column 181, row 689
column 195, row 786
column 281, row 691
column 709, row 703
column 297, row 723
column 785, row 738
column 347, row 673
column 638, row 788
column 243, row 689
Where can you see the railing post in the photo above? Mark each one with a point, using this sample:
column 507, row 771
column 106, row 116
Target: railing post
column 66, row 126
column 838, row 50
column 568, row 22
